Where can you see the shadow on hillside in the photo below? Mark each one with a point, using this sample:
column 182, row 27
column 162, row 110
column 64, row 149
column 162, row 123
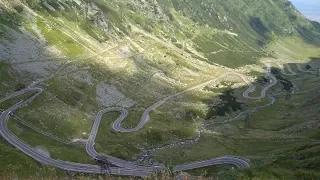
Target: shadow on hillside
column 231, row 104
column 315, row 58
column 310, row 35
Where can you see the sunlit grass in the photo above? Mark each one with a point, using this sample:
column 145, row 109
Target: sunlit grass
column 55, row 37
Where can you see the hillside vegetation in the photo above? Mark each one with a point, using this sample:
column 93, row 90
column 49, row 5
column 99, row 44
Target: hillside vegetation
column 91, row 54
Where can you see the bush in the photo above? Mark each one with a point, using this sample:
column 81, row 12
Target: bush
column 19, row 8
column 20, row 86
column 305, row 175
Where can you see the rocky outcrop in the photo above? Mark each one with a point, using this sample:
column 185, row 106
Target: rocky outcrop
column 87, row 8
column 95, row 14
column 151, row 9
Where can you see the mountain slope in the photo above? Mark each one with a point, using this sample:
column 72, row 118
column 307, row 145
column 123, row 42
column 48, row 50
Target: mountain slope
column 91, row 54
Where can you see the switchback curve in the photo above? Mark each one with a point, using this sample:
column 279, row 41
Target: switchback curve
column 124, row 167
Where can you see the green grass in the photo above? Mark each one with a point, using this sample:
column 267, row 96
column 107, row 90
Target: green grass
column 16, row 164
column 56, row 149
column 285, row 112
column 265, row 139
column 28, row 27
column 11, row 20
column 189, row 153
column 113, row 143
column 64, row 43
column 5, row 75
column 272, row 172
column 94, row 32
column 211, row 171
column 294, row 48
column 125, row 145
column 53, row 116
column 9, row 79
column 237, row 54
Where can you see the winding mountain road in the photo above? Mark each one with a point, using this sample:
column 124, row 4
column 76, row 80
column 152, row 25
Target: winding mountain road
column 291, row 72
column 306, row 71
column 145, row 116
column 68, row 166
column 283, row 71
column 123, row 167
column 239, row 163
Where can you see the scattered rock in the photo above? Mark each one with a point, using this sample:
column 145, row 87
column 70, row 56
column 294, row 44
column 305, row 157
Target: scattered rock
column 124, row 52
column 48, row 6
column 94, row 13
column 80, row 141
column 83, row 76
column 42, row 150
column 28, row 55
column 109, row 95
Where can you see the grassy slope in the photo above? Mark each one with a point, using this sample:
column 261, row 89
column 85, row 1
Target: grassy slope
column 275, row 138
column 187, row 33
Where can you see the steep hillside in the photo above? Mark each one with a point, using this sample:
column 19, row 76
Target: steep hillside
column 88, row 55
